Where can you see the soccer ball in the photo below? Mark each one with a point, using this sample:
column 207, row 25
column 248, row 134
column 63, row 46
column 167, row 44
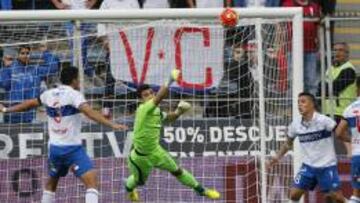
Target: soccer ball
column 229, row 17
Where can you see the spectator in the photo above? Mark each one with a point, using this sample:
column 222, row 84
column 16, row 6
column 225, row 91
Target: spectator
column 342, row 74
column 235, row 89
column 85, row 28
column 22, row 81
column 5, row 4
column 8, row 58
column 311, row 72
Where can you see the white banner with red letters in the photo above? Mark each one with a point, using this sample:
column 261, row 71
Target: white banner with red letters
column 148, row 53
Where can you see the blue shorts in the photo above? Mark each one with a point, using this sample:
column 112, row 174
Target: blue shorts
column 308, row 177
column 355, row 172
column 63, row 158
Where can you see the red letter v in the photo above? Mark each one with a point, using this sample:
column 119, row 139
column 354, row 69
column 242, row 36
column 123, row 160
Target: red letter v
column 130, row 57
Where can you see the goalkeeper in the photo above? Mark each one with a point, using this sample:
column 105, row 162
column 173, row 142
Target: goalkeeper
column 147, row 152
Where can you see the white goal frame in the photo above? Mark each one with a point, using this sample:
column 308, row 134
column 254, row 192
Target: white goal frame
column 295, row 14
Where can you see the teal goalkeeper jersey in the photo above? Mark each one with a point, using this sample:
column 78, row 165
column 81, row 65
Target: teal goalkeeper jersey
column 148, row 120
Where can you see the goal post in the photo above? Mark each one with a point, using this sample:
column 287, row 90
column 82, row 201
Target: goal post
column 136, row 33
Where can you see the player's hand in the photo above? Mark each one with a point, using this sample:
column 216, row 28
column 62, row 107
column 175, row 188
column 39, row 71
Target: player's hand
column 116, row 126
column 182, row 107
column 270, row 163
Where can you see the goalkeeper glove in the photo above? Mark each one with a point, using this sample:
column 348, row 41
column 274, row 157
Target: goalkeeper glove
column 182, row 107
column 174, row 76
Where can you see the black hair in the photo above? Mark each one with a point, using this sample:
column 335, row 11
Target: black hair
column 141, row 88
column 309, row 95
column 24, row 47
column 68, row 75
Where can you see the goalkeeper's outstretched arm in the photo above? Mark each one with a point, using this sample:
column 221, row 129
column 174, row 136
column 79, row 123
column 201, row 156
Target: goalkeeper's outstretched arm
column 162, row 93
column 24, row 106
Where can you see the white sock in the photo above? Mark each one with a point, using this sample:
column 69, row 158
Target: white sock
column 92, row 196
column 293, row 201
column 48, row 197
column 354, row 199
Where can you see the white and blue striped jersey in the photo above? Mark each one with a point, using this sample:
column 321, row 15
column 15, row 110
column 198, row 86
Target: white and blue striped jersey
column 352, row 115
column 316, row 140
column 64, row 119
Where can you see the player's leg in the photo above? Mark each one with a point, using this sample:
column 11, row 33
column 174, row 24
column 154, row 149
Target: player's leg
column 56, row 169
column 336, row 196
column 355, row 179
column 83, row 168
column 140, row 168
column 304, row 180
column 329, row 183
column 296, row 194
column 164, row 161
column 89, row 179
column 48, row 195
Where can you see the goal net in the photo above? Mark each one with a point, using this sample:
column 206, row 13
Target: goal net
column 239, row 81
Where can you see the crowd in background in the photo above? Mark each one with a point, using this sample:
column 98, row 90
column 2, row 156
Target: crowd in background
column 20, row 79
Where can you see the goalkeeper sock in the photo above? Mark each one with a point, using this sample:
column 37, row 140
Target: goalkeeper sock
column 48, row 197
column 130, row 183
column 92, row 196
column 187, row 179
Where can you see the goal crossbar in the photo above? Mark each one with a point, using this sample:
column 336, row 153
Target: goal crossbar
column 46, row 15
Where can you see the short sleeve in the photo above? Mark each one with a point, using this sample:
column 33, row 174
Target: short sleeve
column 330, row 124
column 42, row 97
column 291, row 131
column 78, row 99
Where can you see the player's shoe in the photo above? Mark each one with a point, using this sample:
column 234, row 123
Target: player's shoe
column 134, row 196
column 211, row 194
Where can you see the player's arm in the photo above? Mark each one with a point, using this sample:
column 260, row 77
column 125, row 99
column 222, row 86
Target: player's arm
column 24, row 106
column 182, row 107
column 283, row 150
column 162, row 93
column 342, row 131
column 98, row 117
